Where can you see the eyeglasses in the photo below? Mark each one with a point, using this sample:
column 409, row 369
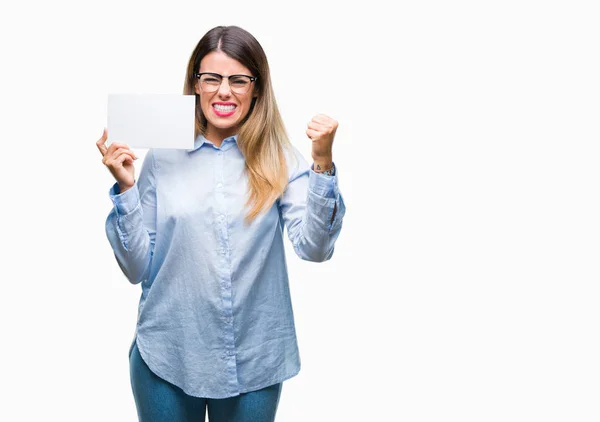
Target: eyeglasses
column 211, row 82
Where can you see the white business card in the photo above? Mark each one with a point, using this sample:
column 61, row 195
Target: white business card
column 151, row 120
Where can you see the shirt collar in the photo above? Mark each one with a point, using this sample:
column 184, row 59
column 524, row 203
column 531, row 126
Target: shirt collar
column 201, row 140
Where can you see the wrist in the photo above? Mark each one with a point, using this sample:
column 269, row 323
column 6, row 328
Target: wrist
column 123, row 188
column 322, row 164
column 321, row 170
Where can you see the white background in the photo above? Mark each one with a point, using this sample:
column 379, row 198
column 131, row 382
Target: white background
column 465, row 282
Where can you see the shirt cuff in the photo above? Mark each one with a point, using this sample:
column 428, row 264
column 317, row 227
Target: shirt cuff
column 125, row 202
column 323, row 185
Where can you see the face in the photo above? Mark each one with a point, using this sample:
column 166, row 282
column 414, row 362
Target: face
column 224, row 109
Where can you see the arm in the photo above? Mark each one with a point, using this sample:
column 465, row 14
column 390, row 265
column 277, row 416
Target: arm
column 312, row 210
column 131, row 224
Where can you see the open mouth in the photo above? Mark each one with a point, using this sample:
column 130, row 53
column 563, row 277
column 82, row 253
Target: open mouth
column 224, row 110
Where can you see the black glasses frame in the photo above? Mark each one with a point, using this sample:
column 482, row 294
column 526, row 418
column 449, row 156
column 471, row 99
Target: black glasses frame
column 199, row 75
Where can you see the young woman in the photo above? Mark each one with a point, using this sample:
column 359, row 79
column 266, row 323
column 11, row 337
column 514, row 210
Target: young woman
column 202, row 231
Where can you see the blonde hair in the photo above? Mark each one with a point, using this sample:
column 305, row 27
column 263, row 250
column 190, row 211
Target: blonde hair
column 262, row 138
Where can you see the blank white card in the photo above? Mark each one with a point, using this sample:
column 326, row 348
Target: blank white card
column 151, row 120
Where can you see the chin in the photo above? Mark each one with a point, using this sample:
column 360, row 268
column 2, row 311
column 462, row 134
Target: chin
column 224, row 126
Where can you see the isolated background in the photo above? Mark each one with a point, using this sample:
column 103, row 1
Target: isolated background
column 465, row 282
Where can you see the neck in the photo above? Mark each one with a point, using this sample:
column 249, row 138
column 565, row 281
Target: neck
column 216, row 135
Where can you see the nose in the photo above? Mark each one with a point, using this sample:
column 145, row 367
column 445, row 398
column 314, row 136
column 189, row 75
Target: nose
column 224, row 88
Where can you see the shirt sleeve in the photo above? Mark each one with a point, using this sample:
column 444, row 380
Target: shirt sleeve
column 131, row 224
column 312, row 209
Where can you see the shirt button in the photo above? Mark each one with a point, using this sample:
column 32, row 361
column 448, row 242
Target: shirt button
column 219, row 185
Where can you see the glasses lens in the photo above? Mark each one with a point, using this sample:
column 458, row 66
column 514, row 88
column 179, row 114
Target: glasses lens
column 239, row 84
column 210, row 83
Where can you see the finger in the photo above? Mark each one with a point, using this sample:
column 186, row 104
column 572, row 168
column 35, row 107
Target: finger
column 100, row 143
column 110, row 159
column 116, row 162
column 323, row 119
column 327, row 122
column 115, row 153
column 313, row 134
column 124, row 158
column 116, row 145
column 317, row 126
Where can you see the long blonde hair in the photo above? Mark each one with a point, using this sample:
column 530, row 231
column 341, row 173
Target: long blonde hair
column 262, row 138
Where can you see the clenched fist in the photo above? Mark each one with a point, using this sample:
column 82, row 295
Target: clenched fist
column 321, row 131
column 119, row 160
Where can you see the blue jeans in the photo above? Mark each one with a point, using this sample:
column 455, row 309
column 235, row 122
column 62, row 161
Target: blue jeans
column 160, row 401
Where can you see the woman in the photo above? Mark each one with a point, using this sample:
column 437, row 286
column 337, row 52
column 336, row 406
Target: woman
column 202, row 231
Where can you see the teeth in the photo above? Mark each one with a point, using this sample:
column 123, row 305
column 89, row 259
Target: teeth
column 226, row 108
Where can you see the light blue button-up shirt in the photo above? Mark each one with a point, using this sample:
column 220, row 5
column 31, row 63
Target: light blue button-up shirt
column 215, row 315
